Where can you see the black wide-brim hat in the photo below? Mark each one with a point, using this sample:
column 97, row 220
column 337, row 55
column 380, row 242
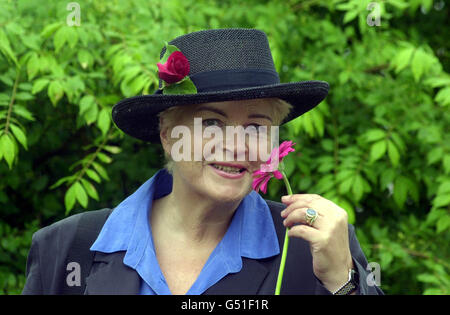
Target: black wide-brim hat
column 225, row 65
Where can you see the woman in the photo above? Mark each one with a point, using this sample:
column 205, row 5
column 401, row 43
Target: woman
column 196, row 226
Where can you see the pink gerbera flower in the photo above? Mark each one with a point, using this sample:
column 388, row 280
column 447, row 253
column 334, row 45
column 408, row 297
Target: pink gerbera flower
column 270, row 168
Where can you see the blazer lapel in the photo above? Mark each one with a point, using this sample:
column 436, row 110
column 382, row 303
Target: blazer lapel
column 248, row 281
column 109, row 275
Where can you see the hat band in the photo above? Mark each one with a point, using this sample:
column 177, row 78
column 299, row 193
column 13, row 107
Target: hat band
column 222, row 80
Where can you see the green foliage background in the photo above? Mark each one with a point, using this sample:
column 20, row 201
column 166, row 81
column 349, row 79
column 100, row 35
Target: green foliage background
column 379, row 146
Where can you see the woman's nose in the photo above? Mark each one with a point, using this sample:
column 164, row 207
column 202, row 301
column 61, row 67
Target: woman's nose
column 236, row 145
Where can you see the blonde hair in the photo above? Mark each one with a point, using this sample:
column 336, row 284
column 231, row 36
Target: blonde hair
column 173, row 115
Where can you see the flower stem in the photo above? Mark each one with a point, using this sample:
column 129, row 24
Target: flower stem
column 285, row 245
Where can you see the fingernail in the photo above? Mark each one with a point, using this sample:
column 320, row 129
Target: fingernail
column 282, row 213
column 285, row 198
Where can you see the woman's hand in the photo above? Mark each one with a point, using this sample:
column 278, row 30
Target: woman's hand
column 328, row 236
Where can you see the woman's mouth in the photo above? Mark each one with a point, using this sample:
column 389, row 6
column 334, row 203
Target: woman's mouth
column 229, row 171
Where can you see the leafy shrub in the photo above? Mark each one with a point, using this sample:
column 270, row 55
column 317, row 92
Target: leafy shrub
column 378, row 146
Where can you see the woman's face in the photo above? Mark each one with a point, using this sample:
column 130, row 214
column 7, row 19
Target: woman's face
column 219, row 165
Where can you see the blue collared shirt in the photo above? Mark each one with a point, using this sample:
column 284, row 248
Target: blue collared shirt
column 250, row 234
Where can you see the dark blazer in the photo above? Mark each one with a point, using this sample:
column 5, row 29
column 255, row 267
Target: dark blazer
column 47, row 266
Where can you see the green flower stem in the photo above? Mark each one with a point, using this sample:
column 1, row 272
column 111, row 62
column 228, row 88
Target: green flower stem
column 286, row 243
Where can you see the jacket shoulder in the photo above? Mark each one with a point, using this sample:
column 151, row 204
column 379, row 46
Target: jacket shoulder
column 66, row 228
column 50, row 247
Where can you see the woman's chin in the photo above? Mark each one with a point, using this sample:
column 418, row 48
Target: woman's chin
column 228, row 191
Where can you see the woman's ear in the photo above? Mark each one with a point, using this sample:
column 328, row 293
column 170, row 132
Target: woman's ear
column 163, row 134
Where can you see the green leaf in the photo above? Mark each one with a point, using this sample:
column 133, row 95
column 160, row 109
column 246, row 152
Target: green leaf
column 39, row 85
column 446, row 163
column 61, row 181
column 402, row 59
column 33, row 66
column 401, row 185
column 347, row 206
column 358, row 187
column 327, row 145
column 7, row 147
column 434, row 215
column 398, row 4
column 50, row 29
column 398, row 141
column 434, row 291
column 55, row 92
column 374, row 135
column 386, row 258
column 25, row 86
column 438, row 81
column 104, row 158
column 93, row 175
column 186, row 86
column 350, row 16
column 394, row 156
column 23, row 112
column 307, row 124
column 100, row 170
column 443, row 96
column 428, row 278
column 24, row 96
column 70, row 198
column 377, row 150
column 112, row 149
column 344, row 174
column 325, row 183
column 443, row 224
column 85, row 58
column 5, row 47
column 420, row 63
column 441, row 200
column 81, row 194
column 60, row 38
column 20, row 135
column 444, row 187
column 131, row 72
column 7, row 80
column 86, row 103
column 413, row 189
column 73, row 86
column 104, row 121
column 344, row 186
column 91, row 114
column 4, row 99
column 169, row 50
column 90, row 189
column 435, row 155
column 137, row 84
column 1, row 150
column 65, row 35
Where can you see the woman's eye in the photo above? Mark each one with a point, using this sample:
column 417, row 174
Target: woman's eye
column 212, row 122
column 255, row 127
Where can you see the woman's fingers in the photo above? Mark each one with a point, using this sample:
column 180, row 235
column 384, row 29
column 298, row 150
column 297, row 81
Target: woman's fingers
column 298, row 201
column 298, row 216
column 306, row 232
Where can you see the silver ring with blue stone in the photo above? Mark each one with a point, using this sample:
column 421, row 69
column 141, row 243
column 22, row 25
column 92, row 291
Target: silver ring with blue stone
column 311, row 216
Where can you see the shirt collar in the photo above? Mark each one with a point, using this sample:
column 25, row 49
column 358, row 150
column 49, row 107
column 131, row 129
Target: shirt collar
column 127, row 228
